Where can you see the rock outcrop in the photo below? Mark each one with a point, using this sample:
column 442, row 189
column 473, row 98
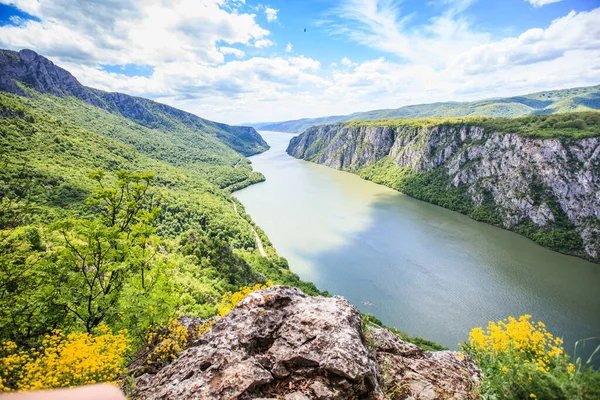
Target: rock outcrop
column 282, row 344
column 531, row 184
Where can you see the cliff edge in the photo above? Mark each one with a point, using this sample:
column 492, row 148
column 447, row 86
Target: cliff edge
column 544, row 186
column 280, row 343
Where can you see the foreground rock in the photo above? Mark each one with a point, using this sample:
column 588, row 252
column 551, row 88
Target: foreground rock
column 280, row 343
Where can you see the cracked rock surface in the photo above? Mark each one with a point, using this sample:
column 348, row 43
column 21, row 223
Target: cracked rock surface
column 282, row 344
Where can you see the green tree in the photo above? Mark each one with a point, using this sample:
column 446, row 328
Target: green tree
column 98, row 256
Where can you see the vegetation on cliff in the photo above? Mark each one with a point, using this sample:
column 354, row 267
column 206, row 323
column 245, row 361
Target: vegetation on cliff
column 520, row 359
column 541, row 103
column 575, row 125
column 533, row 175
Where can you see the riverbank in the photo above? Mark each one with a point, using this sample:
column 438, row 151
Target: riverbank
column 427, row 270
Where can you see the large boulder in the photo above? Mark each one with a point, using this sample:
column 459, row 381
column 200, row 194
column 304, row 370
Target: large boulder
column 280, row 343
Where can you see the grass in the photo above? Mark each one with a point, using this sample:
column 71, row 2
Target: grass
column 575, row 125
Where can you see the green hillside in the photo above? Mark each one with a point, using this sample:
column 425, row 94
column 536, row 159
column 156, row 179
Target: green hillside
column 86, row 192
column 548, row 102
column 23, row 70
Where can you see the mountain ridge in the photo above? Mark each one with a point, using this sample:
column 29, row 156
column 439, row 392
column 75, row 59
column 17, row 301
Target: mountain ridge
column 573, row 99
column 42, row 75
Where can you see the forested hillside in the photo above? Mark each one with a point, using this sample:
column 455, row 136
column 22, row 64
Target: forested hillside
column 548, row 102
column 37, row 72
column 105, row 221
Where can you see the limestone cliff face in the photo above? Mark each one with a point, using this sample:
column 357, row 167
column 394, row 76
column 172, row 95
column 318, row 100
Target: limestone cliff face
column 282, row 344
column 531, row 182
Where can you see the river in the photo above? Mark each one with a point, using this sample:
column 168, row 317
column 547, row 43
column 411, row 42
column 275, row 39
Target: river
column 426, row 270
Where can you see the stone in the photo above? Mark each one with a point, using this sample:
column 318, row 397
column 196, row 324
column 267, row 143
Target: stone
column 281, row 343
column 296, row 396
column 322, row 392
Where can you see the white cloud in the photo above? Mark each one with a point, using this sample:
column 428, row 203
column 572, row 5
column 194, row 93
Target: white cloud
column 232, row 50
column 382, row 25
column 346, row 62
column 540, row 3
column 121, row 32
column 575, row 31
column 186, row 43
column 271, row 14
column 263, row 43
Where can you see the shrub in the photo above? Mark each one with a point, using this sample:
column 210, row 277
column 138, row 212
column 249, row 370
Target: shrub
column 520, row 359
column 230, row 300
column 64, row 360
column 169, row 340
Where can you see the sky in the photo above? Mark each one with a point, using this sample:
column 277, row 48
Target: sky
column 244, row 61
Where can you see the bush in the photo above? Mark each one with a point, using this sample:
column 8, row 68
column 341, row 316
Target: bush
column 520, row 359
column 230, row 300
column 64, row 360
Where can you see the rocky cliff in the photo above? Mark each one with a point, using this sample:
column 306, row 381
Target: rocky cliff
column 38, row 73
column 282, row 344
column 545, row 188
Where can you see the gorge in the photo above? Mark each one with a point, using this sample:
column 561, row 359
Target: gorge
column 421, row 268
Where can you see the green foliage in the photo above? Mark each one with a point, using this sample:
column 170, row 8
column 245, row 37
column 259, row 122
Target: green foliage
column 371, row 320
column 569, row 125
column 88, row 237
column 27, row 307
column 549, row 102
column 520, row 359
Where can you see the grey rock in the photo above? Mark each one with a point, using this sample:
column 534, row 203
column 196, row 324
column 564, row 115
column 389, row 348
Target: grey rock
column 296, row 396
column 281, row 343
column 322, row 392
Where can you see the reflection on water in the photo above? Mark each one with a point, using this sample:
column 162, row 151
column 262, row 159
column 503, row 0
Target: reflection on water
column 426, row 270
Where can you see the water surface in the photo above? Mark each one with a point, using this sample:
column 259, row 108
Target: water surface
column 421, row 268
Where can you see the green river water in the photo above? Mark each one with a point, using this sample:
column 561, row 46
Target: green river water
column 421, row 268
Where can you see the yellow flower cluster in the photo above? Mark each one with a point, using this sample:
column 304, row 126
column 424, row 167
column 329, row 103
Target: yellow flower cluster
column 64, row 360
column 525, row 340
column 171, row 339
column 201, row 329
column 229, row 300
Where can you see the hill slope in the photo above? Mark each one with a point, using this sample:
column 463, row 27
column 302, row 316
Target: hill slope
column 152, row 203
column 42, row 75
column 548, row 102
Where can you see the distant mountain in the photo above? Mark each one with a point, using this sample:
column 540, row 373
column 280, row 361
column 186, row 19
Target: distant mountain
column 548, row 102
column 37, row 72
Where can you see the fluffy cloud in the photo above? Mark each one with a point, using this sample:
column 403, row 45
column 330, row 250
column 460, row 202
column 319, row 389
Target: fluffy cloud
column 231, row 50
column 575, row 31
column 132, row 32
column 263, row 43
column 539, row 3
column 186, row 44
column 271, row 14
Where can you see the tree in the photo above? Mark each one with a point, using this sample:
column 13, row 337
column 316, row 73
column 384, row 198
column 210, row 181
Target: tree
column 98, row 256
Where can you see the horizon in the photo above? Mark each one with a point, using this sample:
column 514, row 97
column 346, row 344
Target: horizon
column 245, row 62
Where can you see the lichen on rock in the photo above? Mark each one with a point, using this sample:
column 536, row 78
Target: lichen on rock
column 281, row 343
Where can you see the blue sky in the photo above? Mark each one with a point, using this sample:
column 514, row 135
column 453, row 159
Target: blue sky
column 245, row 61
